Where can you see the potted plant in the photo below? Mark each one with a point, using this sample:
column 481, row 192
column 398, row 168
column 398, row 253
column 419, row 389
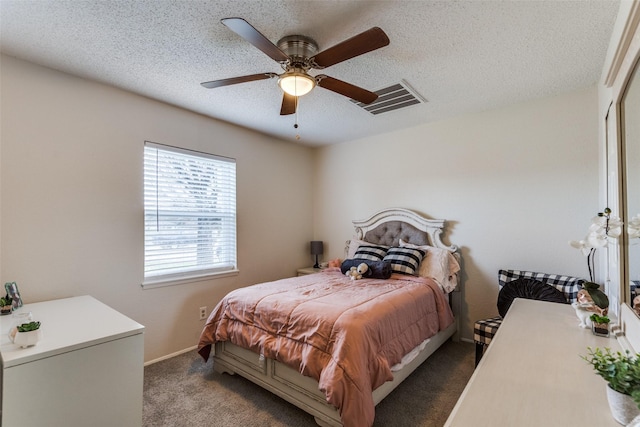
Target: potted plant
column 5, row 305
column 622, row 373
column 600, row 325
column 28, row 334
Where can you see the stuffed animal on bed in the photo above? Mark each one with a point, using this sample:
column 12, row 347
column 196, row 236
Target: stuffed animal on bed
column 355, row 273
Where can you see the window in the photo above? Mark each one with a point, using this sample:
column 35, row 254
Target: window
column 189, row 215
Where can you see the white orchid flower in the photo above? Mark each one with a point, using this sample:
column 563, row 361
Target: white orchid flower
column 599, row 226
column 603, row 227
column 599, row 221
column 633, row 228
column 582, row 245
column 597, row 239
column 615, row 227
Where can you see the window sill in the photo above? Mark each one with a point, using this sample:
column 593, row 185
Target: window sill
column 160, row 282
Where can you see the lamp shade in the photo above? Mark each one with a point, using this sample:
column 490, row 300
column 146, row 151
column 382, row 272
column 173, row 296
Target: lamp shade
column 296, row 84
column 316, row 247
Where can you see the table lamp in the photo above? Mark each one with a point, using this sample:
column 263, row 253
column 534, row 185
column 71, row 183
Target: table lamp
column 316, row 249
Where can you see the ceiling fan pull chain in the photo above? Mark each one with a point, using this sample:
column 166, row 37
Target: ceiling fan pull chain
column 295, row 126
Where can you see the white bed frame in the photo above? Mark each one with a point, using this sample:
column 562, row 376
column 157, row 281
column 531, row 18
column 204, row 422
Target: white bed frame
column 303, row 391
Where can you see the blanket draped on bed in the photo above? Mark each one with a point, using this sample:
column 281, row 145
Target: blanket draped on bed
column 344, row 333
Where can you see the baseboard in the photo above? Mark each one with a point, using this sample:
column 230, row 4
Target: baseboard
column 169, row 356
column 467, row 340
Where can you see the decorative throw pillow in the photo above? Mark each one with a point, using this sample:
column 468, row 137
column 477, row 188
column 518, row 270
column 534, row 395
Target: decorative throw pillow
column 353, row 246
column 568, row 285
column 377, row 269
column 438, row 264
column 404, row 260
column 371, row 252
column 380, row 269
column 528, row 289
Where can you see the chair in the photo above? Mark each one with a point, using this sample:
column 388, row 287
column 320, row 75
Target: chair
column 563, row 289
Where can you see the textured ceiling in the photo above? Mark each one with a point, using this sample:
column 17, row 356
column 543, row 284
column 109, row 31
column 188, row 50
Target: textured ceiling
column 462, row 56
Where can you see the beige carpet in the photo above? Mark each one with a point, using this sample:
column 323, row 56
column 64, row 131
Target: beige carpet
column 184, row 391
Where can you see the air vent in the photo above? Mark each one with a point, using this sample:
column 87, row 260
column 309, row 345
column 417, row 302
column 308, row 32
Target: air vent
column 394, row 97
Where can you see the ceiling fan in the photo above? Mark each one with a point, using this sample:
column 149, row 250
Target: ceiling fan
column 297, row 55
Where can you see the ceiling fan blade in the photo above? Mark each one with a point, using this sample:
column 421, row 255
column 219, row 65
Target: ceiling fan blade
column 236, row 80
column 289, row 103
column 255, row 37
column 372, row 39
column 346, row 89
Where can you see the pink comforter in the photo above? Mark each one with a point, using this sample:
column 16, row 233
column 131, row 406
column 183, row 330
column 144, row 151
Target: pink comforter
column 345, row 334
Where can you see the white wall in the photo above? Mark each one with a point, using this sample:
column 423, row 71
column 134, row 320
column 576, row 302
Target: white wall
column 71, row 199
column 516, row 184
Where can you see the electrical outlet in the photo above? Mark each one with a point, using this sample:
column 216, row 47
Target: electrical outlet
column 203, row 313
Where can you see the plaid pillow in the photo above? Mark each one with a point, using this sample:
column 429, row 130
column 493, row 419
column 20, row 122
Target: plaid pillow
column 568, row 285
column 371, row 252
column 404, row 260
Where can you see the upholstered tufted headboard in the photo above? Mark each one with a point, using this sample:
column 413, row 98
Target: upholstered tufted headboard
column 388, row 226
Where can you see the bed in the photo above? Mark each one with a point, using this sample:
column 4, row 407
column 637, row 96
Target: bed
column 336, row 347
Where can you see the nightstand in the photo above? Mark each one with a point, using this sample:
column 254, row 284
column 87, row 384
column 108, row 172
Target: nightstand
column 308, row 270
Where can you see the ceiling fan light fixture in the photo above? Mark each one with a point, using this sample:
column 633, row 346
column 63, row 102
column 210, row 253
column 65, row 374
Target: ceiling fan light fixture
column 296, row 83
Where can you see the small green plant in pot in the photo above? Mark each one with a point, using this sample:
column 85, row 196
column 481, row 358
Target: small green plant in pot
column 28, row 334
column 600, row 324
column 5, row 304
column 621, row 371
column 28, row 327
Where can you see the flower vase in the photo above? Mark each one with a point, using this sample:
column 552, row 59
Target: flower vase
column 17, row 319
column 622, row 406
column 27, row 339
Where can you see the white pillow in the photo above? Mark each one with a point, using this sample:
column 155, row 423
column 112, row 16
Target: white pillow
column 354, row 244
column 438, row 264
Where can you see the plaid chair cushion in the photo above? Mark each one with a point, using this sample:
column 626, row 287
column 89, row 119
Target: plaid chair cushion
column 485, row 329
column 568, row 285
column 635, row 285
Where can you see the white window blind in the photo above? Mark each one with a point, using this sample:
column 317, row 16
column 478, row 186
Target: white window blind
column 189, row 213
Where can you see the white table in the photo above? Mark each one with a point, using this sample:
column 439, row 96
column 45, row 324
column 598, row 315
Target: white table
column 87, row 370
column 532, row 373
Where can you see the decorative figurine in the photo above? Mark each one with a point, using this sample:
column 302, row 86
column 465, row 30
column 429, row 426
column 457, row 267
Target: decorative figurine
column 585, row 307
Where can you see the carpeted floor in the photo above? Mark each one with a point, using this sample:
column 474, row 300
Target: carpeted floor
column 184, row 391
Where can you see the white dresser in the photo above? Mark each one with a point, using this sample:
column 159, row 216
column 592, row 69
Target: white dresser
column 532, row 374
column 87, row 370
